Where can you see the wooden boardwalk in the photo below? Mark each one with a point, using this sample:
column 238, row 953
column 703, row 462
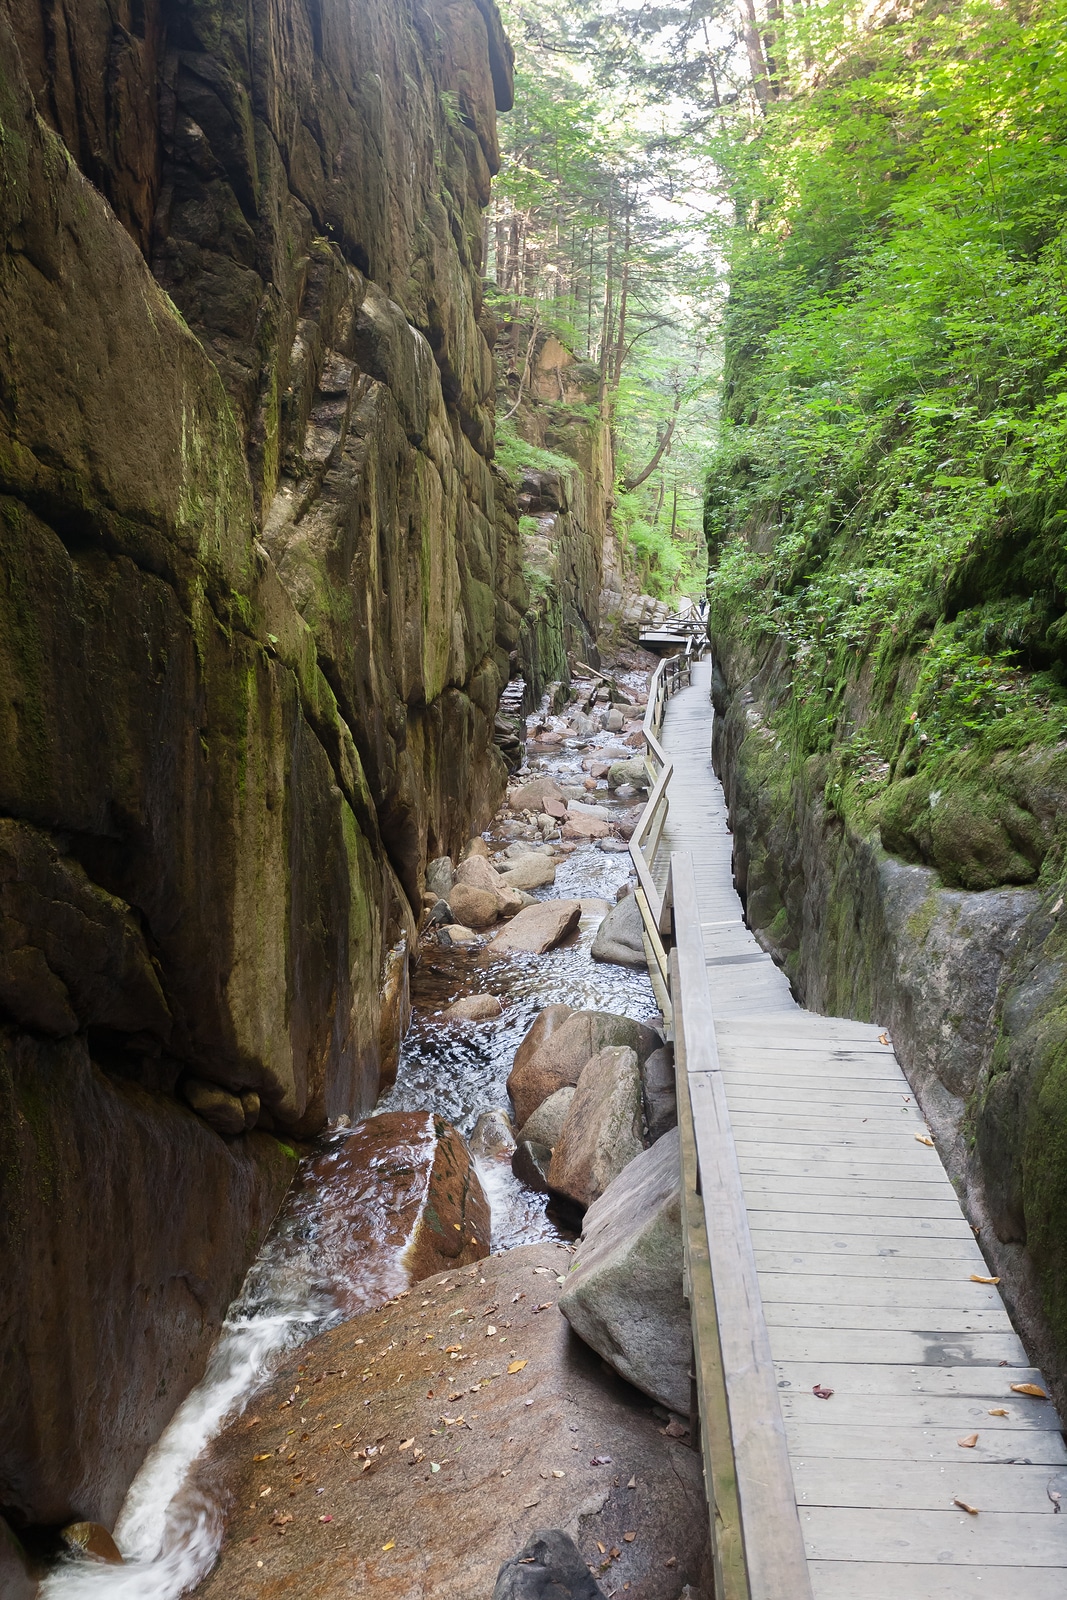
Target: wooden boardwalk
column 866, row 1272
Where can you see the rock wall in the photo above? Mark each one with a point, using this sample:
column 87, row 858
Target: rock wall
column 258, row 595
column 972, row 984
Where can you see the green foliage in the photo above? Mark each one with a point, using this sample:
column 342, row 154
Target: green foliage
column 515, row 455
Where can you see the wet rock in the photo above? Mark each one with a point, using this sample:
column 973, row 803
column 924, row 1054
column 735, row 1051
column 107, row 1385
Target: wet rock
column 579, row 827
column 16, row 1582
column 93, row 1541
column 521, row 848
column 557, row 1047
column 632, row 771
column 220, row 1109
column 532, row 794
column 614, row 721
column 659, row 1091
column 530, row 872
column 548, row 1567
column 403, row 1201
column 493, row 1137
column 530, row 1162
column 620, row 937
column 396, row 1004
column 539, row 928
column 595, row 908
column 475, row 908
column 476, row 1008
column 580, row 809
column 545, row 1124
column 602, row 1130
column 613, row 846
column 440, row 877
column 451, row 1530
column 457, row 933
column 624, row 1293
column 440, row 914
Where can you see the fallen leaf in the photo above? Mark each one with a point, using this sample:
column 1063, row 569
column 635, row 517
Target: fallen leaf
column 390, row 1546
column 600, row 1461
column 675, row 1430
column 924, row 1138
column 450, row 1349
column 545, row 1270
column 1054, row 1496
column 601, row 1547
column 629, row 1537
column 671, row 1561
column 265, row 1457
column 1030, row 1389
column 972, row 1511
column 515, row 1366
column 820, row 1393
column 264, row 1492
column 326, row 1519
column 435, row 1466
column 556, row 1474
column 632, row 1483
column 998, row 1411
column 969, row 1442
column 529, row 1504
column 280, row 1518
column 506, row 1472
column 976, row 1277
column 405, row 1444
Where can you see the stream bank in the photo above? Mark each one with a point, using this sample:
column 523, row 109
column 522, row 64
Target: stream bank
column 320, row 1278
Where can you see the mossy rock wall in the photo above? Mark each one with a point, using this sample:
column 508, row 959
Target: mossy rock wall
column 258, row 594
column 970, row 982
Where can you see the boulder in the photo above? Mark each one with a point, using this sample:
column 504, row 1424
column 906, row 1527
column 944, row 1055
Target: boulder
column 530, row 1162
column 555, row 1050
column 602, row 1130
column 220, row 1110
column 475, row 1008
column 620, row 937
column 440, row 877
column 548, row 1567
column 539, row 928
column 449, row 1531
column 93, row 1542
column 530, row 872
column 659, row 1093
column 583, row 827
column 614, row 721
column 614, row 846
column 522, row 847
column 531, row 795
column 584, row 809
column 395, row 1199
column 555, row 808
column 493, row 1138
column 475, row 908
column 478, row 873
column 545, row 1124
column 624, row 1291
column 457, row 933
column 632, row 771
column 475, row 847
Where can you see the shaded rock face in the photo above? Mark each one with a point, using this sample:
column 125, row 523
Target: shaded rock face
column 624, row 1294
column 557, row 1047
column 258, row 594
column 548, row 1567
column 619, row 937
column 972, row 985
column 602, row 1129
column 497, row 1438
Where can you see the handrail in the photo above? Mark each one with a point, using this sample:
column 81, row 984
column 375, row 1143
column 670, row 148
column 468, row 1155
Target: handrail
column 757, row 1544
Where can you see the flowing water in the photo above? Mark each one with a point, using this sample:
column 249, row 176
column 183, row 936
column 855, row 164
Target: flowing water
column 302, row 1282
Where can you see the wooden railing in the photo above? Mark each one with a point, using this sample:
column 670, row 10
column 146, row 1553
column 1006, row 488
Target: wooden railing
column 756, row 1541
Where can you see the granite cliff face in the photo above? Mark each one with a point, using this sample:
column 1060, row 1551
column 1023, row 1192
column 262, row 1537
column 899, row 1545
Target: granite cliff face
column 258, row 594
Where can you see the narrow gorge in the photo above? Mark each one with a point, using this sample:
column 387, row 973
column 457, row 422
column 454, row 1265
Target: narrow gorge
column 386, row 388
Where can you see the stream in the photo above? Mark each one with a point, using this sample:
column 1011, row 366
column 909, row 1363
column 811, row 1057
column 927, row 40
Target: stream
column 171, row 1523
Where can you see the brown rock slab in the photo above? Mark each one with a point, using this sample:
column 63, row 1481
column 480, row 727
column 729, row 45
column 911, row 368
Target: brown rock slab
column 602, row 1130
column 554, row 808
column 538, row 928
column 403, row 1201
column 475, row 908
column 530, row 872
column 403, row 1531
column 93, row 1541
column 556, row 1049
column 477, row 872
column 476, row 1008
column 579, row 827
column 531, row 796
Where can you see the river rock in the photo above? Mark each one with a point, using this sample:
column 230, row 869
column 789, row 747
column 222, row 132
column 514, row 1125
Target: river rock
column 582, row 809
column 92, row 1541
column 493, row 1137
column 531, row 795
column 548, row 1567
column 620, row 937
column 659, row 1091
column 474, row 847
column 440, row 877
column 450, row 1531
column 555, row 808
column 602, row 1130
column 530, row 1162
column 220, row 1110
column 583, row 827
column 401, row 1201
column 632, row 771
column 475, row 1008
column 522, row 847
column 530, row 872
column 477, row 872
column 539, row 928
column 545, row 1124
column 458, row 933
column 556, row 1049
column 614, row 846
column 624, row 1292
column 475, row 908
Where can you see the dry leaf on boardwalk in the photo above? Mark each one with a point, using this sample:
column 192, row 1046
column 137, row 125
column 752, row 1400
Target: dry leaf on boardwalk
column 976, row 1277
column 820, row 1393
column 969, row 1442
column 515, row 1366
column 1030, row 1389
column 972, row 1511
column 998, row 1411
column 924, row 1138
